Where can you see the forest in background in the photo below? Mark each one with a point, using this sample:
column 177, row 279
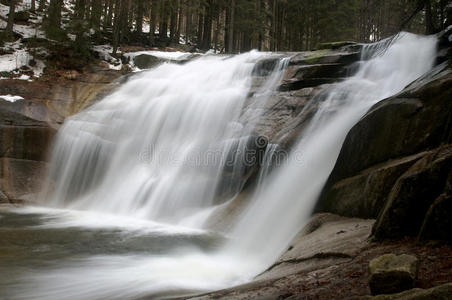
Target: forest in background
column 232, row 26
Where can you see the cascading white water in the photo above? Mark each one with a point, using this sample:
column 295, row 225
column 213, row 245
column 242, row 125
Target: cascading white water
column 140, row 154
column 155, row 148
column 274, row 218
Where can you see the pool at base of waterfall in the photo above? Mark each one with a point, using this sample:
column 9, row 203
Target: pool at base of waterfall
column 46, row 253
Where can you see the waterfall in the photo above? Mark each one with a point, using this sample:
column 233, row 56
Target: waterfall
column 156, row 148
column 151, row 159
column 288, row 196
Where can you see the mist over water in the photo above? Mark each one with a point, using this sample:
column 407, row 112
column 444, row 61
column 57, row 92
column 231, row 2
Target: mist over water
column 145, row 164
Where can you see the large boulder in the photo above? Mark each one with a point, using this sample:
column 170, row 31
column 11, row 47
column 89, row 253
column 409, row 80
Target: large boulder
column 365, row 194
column 413, row 194
column 437, row 221
column 390, row 273
column 311, row 69
column 400, row 125
column 394, row 135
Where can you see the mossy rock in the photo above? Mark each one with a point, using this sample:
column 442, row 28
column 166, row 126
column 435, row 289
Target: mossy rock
column 314, row 56
column 390, row 273
column 334, row 45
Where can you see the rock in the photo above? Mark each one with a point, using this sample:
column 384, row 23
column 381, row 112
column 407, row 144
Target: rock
column 52, row 100
column 145, row 61
column 325, row 57
column 24, row 138
column 394, row 130
column 68, row 74
column 335, row 45
column 314, row 68
column 242, row 162
column 21, row 16
column 303, row 76
column 21, row 177
column 400, row 125
column 413, row 194
column 437, row 222
column 266, row 66
column 391, row 274
column 441, row 292
column 326, row 240
column 23, row 151
column 365, row 194
column 3, row 198
column 284, row 116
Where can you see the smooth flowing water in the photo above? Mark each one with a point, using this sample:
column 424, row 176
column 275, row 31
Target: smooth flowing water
column 134, row 178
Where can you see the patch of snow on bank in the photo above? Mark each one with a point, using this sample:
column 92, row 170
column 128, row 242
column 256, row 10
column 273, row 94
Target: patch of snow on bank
column 177, row 55
column 104, row 52
column 29, row 31
column 20, row 58
column 10, row 62
column 11, row 98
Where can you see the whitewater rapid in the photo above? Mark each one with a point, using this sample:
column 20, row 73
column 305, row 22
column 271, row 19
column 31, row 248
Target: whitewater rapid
column 135, row 164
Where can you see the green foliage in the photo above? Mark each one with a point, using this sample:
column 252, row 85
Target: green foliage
column 55, row 33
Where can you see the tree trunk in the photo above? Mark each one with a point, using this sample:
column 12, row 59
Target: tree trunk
column 165, row 14
column 173, row 20
column 231, row 28
column 200, row 28
column 55, row 7
column 207, row 32
column 96, row 14
column 42, row 5
column 12, row 12
column 140, row 14
column 116, row 27
column 152, row 21
column 179, row 22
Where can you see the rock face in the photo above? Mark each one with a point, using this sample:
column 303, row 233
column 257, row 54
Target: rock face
column 27, row 126
column 390, row 273
column 23, row 152
column 242, row 162
column 412, row 196
column 394, row 163
column 308, row 74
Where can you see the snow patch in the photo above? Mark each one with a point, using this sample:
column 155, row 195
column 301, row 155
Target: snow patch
column 104, row 52
column 29, row 31
column 11, row 98
column 177, row 55
column 10, row 62
column 20, row 58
